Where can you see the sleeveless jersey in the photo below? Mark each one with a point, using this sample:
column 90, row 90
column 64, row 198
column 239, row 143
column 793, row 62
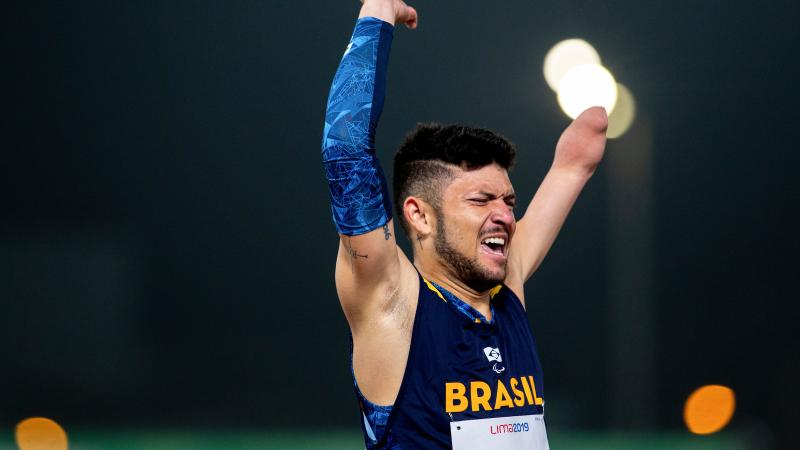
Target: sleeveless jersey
column 469, row 383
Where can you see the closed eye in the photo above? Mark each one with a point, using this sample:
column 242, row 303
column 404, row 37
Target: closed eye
column 510, row 201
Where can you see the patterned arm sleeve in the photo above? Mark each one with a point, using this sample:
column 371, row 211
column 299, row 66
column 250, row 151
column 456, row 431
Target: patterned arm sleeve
column 360, row 200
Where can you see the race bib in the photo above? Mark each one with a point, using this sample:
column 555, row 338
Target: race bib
column 501, row 433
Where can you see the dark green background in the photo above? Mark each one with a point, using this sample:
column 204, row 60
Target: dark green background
column 165, row 239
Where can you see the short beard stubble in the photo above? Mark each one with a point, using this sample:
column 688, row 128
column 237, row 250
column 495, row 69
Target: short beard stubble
column 467, row 270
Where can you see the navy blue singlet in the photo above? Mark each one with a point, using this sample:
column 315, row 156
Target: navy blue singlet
column 460, row 367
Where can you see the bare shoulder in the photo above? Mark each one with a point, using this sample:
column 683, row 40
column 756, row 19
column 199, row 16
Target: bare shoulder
column 374, row 282
column 382, row 335
column 399, row 301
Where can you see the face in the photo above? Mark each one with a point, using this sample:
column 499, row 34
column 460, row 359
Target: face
column 475, row 226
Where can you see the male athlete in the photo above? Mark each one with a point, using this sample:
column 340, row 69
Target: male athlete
column 443, row 356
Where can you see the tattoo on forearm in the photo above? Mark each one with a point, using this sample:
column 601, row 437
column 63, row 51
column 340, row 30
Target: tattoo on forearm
column 386, row 233
column 353, row 253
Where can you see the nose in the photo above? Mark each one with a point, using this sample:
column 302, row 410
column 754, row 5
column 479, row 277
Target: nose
column 503, row 215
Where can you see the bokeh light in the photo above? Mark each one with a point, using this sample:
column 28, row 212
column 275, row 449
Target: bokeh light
column 585, row 86
column 564, row 56
column 709, row 409
column 39, row 433
column 621, row 118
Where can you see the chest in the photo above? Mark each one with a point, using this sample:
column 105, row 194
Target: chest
column 467, row 371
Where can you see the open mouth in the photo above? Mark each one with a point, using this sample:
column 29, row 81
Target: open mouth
column 494, row 245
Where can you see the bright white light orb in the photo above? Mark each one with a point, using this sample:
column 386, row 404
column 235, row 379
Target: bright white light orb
column 585, row 86
column 624, row 112
column 564, row 56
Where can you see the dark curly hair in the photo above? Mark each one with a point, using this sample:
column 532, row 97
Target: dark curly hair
column 421, row 164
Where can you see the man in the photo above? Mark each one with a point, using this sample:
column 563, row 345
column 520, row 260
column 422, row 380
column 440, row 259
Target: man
column 443, row 356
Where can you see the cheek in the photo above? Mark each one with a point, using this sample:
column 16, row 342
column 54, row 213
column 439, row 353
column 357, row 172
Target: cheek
column 461, row 233
column 459, row 236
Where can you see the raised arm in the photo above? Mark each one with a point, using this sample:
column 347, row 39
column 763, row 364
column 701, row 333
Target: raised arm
column 369, row 259
column 578, row 152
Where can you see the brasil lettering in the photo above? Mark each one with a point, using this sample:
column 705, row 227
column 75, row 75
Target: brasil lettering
column 483, row 397
column 520, row 427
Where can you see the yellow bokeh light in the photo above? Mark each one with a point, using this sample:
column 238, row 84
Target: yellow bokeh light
column 39, row 433
column 623, row 114
column 585, row 86
column 564, row 56
column 709, row 409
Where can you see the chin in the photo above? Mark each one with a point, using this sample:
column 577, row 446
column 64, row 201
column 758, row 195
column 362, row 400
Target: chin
column 497, row 277
column 494, row 271
column 487, row 277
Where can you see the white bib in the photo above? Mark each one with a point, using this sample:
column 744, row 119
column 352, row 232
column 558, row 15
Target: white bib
column 501, row 433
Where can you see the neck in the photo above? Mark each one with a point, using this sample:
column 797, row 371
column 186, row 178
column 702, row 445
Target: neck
column 446, row 279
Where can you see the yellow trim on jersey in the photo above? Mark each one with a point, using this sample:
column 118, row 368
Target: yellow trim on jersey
column 431, row 287
column 492, row 292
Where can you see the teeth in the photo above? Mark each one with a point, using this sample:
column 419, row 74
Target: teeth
column 495, row 240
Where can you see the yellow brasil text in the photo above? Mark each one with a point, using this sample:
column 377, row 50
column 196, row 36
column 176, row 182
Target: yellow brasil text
column 481, row 396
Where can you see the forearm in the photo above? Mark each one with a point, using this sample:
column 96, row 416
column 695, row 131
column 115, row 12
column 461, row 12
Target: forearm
column 360, row 200
column 578, row 153
column 546, row 214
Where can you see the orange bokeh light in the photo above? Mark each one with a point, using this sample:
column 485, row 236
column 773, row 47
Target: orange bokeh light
column 709, row 409
column 39, row 433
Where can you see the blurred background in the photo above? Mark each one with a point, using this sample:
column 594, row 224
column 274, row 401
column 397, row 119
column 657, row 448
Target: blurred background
column 167, row 250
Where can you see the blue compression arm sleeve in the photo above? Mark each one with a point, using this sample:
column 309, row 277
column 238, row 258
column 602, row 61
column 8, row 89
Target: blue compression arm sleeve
column 360, row 200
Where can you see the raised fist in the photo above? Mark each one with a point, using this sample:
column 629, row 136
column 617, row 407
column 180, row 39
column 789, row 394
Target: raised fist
column 392, row 11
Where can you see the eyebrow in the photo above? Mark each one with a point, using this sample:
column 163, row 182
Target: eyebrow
column 494, row 196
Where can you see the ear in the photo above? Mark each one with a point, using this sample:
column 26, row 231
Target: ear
column 419, row 216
